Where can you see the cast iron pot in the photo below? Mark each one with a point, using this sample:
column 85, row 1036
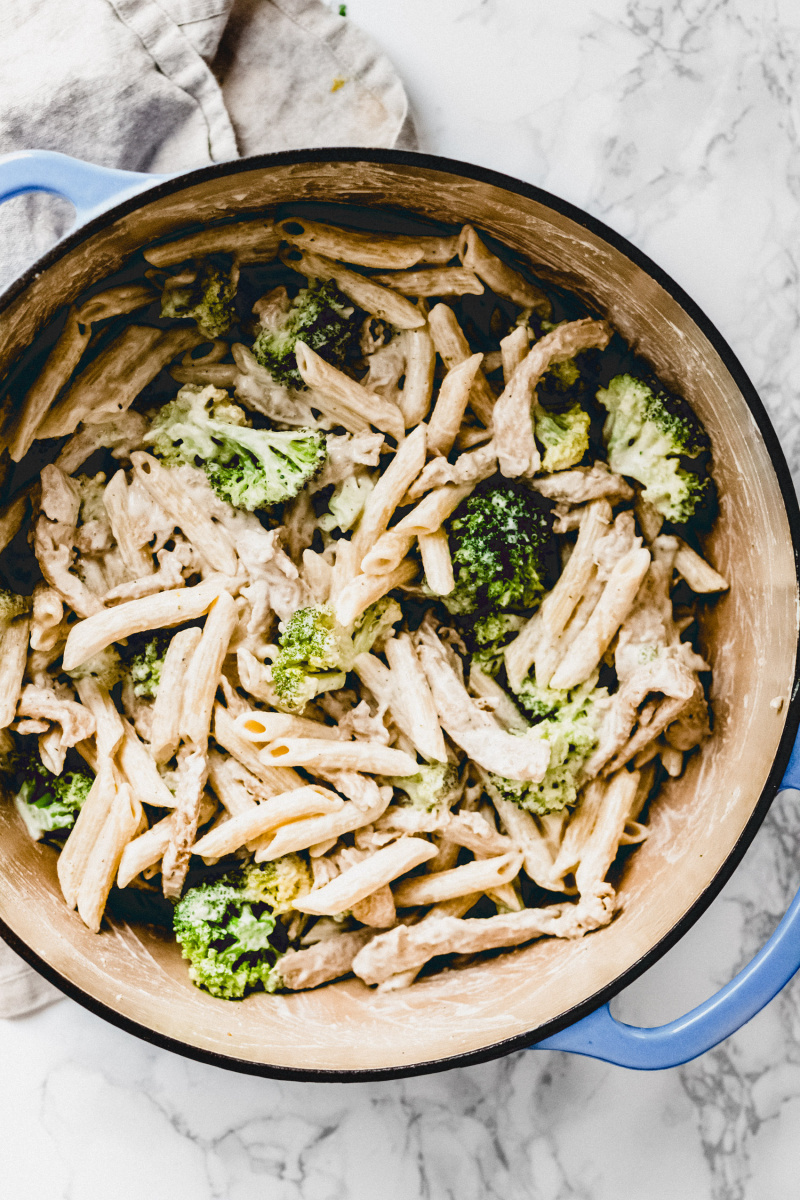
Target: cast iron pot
column 551, row 993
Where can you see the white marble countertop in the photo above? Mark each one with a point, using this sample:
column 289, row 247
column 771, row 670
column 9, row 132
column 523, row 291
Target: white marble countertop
column 676, row 123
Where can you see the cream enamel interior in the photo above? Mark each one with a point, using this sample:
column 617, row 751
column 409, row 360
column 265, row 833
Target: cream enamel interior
column 750, row 637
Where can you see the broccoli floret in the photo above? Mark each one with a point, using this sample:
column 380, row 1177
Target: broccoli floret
column 249, row 468
column 228, row 932
column 571, row 728
column 105, row 666
column 347, row 503
column 491, row 635
column 316, row 652
column 649, row 435
column 208, row 299
column 145, row 664
column 48, row 802
column 12, row 606
column 501, row 542
column 321, row 317
column 435, row 786
column 374, row 624
column 564, row 435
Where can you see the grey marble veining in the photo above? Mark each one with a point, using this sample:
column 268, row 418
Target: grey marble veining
column 677, row 124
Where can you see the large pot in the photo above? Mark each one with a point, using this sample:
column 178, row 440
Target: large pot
column 701, row 823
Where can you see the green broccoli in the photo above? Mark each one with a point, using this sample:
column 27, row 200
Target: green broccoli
column 249, row 468
column 208, row 299
column 571, row 728
column 48, row 802
column 228, row 930
column 564, row 435
column 491, row 635
column 316, row 652
column 105, row 666
column 145, row 663
column 12, row 606
column 501, row 541
column 374, row 623
column 321, row 317
column 649, row 435
column 435, row 786
column 347, row 503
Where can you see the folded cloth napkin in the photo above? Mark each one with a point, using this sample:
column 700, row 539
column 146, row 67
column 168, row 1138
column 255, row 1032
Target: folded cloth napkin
column 163, row 85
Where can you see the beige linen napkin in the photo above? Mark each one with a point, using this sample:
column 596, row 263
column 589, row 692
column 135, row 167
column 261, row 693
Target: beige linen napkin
column 163, row 85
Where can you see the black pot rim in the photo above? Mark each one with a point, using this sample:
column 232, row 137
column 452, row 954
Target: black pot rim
column 593, row 225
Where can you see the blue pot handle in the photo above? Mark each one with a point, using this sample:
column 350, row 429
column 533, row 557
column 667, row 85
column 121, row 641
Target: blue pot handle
column 89, row 188
column 601, row 1036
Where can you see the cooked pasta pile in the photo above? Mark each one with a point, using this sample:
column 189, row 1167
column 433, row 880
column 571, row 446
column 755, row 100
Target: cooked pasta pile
column 359, row 631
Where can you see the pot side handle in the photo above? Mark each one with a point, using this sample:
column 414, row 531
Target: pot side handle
column 89, row 188
column 601, row 1036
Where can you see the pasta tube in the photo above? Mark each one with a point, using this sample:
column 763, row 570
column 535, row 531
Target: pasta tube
column 481, row 875
column 501, row 278
column 205, row 669
column 379, row 301
column 92, row 635
column 427, row 517
column 313, row 753
column 209, row 537
column 265, row 818
column 411, row 693
column 121, row 823
column 327, row 381
column 366, row 877
column 437, row 281
column 451, row 404
column 611, row 610
column 314, row 831
column 453, row 348
column 114, row 379
column 366, row 589
column 366, row 249
column 251, row 242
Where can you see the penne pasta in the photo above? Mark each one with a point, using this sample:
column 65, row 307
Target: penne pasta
column 479, row 876
column 275, row 778
column 366, row 249
column 427, row 517
column 420, row 359
column 113, row 380
column 387, row 494
column 451, row 404
column 378, row 301
column 366, row 877
column 436, row 281
column 513, row 349
column 167, row 711
column 266, row 726
column 205, row 668
column 119, row 828
column 364, row 590
column 327, row 382
column 13, row 658
column 612, row 608
column 410, row 692
column 453, row 348
column 266, row 817
column 497, row 275
column 313, row 831
column 211, row 540
column 250, row 241
column 700, row 576
column 73, row 859
column 147, row 850
column 311, row 753
column 437, row 565
column 89, row 637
